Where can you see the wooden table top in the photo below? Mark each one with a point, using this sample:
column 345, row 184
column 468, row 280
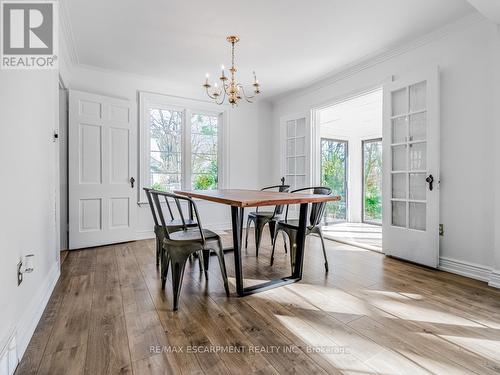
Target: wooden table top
column 255, row 198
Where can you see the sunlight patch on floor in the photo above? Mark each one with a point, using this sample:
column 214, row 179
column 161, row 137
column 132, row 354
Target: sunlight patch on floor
column 436, row 366
column 335, row 300
column 396, row 295
column 322, row 344
column 481, row 346
column 421, row 314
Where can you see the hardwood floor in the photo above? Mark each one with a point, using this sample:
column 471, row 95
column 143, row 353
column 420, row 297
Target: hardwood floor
column 369, row 315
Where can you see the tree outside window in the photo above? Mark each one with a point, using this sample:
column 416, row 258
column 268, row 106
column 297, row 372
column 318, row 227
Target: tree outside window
column 372, row 181
column 168, row 152
column 334, row 175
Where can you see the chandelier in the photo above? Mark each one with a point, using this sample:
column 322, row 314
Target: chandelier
column 228, row 85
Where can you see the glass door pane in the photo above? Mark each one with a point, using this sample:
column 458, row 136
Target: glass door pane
column 334, row 175
column 372, row 181
column 409, row 157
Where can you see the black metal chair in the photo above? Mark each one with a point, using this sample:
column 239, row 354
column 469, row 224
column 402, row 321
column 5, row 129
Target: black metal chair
column 291, row 226
column 178, row 246
column 173, row 224
column 260, row 219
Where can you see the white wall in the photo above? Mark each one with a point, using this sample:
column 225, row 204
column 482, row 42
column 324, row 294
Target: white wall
column 464, row 53
column 248, row 134
column 28, row 117
column 353, row 121
column 495, row 121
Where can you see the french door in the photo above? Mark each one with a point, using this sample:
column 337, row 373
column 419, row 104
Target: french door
column 102, row 170
column 411, row 168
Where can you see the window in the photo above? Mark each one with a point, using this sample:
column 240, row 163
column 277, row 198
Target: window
column 165, row 167
column 372, row 181
column 181, row 144
column 334, row 175
column 204, row 166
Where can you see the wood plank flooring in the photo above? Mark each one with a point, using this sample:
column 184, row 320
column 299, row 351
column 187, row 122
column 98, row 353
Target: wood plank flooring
column 369, row 315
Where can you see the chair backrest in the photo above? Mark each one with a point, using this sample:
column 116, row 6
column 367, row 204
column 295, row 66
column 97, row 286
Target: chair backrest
column 170, row 212
column 318, row 208
column 278, row 210
column 177, row 198
column 151, row 205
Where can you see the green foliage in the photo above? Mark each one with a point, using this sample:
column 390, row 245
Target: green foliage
column 207, row 181
column 158, row 186
column 372, row 180
column 333, row 175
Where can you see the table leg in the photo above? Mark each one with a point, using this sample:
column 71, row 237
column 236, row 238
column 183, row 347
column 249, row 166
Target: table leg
column 236, row 219
column 301, row 242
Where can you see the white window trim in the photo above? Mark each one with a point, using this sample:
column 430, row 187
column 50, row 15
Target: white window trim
column 187, row 106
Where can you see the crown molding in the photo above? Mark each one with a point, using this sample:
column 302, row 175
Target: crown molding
column 67, row 39
column 489, row 8
column 379, row 57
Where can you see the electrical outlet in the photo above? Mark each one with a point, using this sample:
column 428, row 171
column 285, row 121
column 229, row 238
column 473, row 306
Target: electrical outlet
column 19, row 273
column 441, row 229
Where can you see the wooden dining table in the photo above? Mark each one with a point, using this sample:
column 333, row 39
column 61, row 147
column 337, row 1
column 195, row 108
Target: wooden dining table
column 239, row 200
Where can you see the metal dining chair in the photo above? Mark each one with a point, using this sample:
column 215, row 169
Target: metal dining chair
column 179, row 245
column 260, row 219
column 173, row 224
column 291, row 226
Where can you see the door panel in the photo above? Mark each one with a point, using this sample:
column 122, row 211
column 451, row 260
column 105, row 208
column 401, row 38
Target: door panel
column 410, row 156
column 101, row 163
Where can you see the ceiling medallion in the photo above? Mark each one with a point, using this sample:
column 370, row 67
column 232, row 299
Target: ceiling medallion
column 229, row 87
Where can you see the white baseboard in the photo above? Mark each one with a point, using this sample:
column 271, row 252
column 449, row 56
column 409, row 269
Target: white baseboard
column 472, row 270
column 29, row 320
column 494, row 279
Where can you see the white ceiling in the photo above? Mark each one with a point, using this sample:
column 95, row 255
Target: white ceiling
column 290, row 43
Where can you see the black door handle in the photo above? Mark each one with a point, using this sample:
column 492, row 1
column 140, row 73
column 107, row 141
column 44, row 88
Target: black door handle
column 430, row 180
column 132, row 180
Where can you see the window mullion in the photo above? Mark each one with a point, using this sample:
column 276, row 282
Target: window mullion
column 186, row 150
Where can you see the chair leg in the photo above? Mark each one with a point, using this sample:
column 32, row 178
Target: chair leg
column 249, row 221
column 259, row 228
column 164, row 267
column 158, row 250
column 274, row 244
column 222, row 264
column 284, row 241
column 178, row 265
column 320, row 233
column 206, row 261
column 292, row 238
column 272, row 229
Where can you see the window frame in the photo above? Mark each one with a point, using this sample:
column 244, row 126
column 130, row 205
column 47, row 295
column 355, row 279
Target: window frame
column 188, row 107
column 363, row 141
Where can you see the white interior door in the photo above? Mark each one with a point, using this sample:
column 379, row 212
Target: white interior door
column 411, row 168
column 102, row 166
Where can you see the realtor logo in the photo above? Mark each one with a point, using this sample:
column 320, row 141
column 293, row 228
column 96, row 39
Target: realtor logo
column 29, row 35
